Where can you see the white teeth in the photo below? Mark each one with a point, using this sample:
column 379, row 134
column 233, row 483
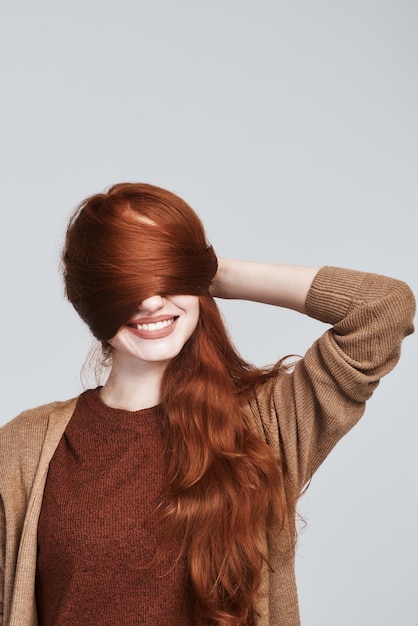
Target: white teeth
column 154, row 325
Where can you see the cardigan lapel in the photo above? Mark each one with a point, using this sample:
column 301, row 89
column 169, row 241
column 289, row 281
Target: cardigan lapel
column 23, row 605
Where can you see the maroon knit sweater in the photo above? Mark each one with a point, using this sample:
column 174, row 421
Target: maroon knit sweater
column 96, row 527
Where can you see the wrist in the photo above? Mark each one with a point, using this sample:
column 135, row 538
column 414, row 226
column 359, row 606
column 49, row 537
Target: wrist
column 218, row 287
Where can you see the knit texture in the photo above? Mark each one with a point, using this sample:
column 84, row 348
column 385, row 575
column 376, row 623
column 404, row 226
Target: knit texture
column 97, row 527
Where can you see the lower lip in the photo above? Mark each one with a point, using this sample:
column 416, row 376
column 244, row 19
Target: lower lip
column 153, row 334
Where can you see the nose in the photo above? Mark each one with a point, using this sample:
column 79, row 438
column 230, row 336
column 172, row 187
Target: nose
column 152, row 304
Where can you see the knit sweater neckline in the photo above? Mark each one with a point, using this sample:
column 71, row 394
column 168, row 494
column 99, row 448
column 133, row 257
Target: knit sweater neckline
column 111, row 418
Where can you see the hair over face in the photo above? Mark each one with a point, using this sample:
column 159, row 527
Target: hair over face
column 130, row 243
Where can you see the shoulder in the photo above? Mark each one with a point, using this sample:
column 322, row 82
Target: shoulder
column 260, row 407
column 35, row 419
column 22, row 439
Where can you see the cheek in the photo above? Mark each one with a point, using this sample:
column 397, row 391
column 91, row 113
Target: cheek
column 195, row 321
column 191, row 306
column 192, row 321
column 116, row 339
column 196, row 306
column 123, row 341
column 113, row 342
column 119, row 341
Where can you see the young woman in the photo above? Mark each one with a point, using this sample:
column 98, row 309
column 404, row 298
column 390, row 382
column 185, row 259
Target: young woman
column 168, row 495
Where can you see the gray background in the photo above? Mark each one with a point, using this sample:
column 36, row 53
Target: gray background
column 291, row 128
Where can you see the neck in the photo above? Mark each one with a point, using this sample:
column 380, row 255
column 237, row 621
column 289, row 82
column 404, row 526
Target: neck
column 133, row 388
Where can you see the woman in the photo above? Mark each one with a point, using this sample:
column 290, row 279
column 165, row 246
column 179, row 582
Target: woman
column 168, row 495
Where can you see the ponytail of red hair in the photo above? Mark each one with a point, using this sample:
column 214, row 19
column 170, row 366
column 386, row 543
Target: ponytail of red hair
column 225, row 485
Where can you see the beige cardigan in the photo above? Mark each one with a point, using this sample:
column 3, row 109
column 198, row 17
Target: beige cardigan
column 301, row 414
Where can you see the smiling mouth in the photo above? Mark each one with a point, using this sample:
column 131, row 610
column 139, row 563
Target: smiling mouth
column 151, row 326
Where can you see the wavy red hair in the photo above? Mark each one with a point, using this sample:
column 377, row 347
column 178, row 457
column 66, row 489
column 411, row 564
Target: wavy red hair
column 225, row 486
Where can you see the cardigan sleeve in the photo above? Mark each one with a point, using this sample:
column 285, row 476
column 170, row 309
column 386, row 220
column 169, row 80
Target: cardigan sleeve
column 309, row 409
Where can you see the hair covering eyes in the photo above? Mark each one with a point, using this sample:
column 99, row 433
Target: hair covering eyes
column 131, row 243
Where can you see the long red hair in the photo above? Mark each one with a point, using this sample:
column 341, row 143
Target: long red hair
column 225, row 485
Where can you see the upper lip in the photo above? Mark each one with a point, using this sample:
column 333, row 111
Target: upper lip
column 152, row 320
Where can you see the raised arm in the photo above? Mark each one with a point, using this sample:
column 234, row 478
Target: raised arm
column 307, row 411
column 281, row 285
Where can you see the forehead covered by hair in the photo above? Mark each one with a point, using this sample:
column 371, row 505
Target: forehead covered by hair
column 134, row 241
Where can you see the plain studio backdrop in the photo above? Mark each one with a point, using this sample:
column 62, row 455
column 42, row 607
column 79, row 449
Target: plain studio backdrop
column 291, row 127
